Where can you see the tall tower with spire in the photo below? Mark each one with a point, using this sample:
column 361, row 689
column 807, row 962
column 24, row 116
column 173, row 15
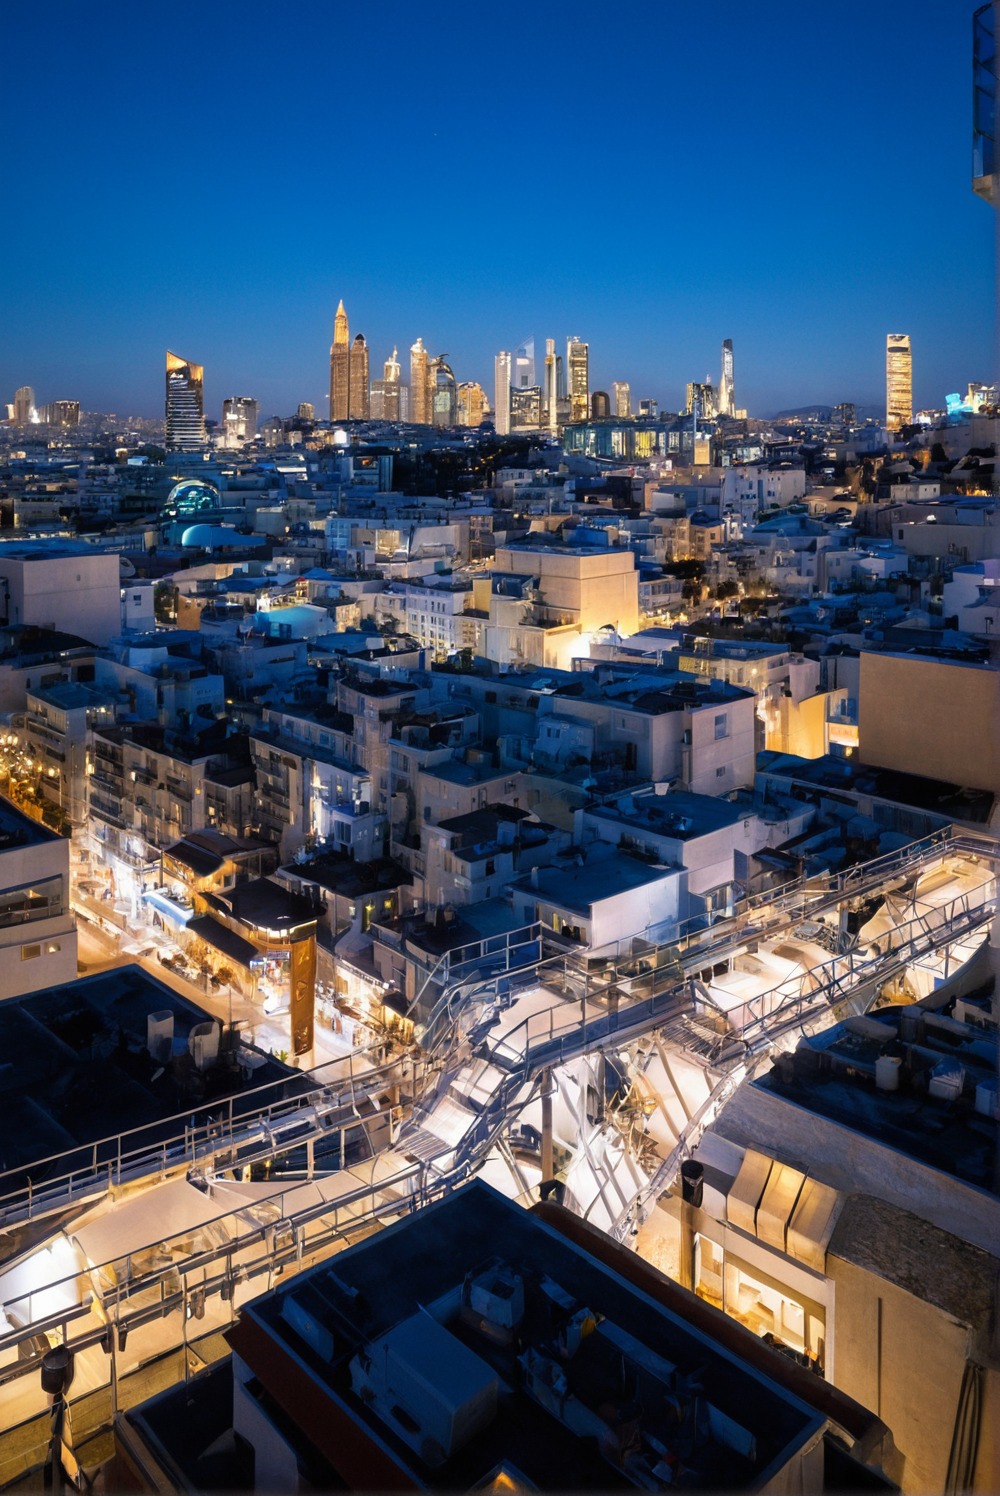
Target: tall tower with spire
column 340, row 362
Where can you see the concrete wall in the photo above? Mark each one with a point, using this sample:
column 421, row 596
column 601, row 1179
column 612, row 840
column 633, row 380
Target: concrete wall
column 931, row 717
column 905, row 1359
column 80, row 594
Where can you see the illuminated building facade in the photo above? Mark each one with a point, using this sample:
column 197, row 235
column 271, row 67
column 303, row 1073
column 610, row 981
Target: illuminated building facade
column 306, row 411
column 185, row 405
column 501, row 388
column 727, row 393
column 63, row 413
column 522, row 374
column 704, row 396
column 239, row 420
column 623, row 400
column 578, row 378
column 340, row 366
column 421, row 389
column 526, row 409
column 386, row 402
column 358, row 407
column 898, row 381
column 551, row 387
column 24, row 406
column 473, row 406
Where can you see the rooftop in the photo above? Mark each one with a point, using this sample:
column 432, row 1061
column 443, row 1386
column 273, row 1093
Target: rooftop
column 76, row 1068
column 525, row 1340
column 580, row 887
column 680, row 815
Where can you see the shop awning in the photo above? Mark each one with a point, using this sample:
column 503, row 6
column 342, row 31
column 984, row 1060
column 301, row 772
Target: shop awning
column 224, row 940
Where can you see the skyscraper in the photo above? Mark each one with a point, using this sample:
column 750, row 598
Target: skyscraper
column 705, row 397
column 444, row 393
column 578, row 379
column 473, row 406
column 600, row 406
column 501, row 394
column 623, row 400
column 550, row 389
column 727, row 393
column 340, row 365
column 239, row 420
column 358, row 406
column 185, row 405
column 385, row 401
column 24, row 406
column 421, row 392
column 306, row 411
column 898, row 381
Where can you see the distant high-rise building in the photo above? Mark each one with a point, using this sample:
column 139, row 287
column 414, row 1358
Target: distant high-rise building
column 386, row 392
column 239, row 420
column 306, row 411
column 898, row 381
column 63, row 413
column 727, row 393
column 600, row 406
column 24, row 406
column 501, row 394
column 358, row 404
column 550, row 387
column 185, row 405
column 421, row 391
column 578, row 378
column 444, row 393
column 526, row 409
column 705, row 396
column 340, row 367
column 845, row 414
column 522, row 371
column 985, row 91
column 623, row 400
column 473, row 406
column 649, row 410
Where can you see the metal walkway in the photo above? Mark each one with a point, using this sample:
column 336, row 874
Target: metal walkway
column 484, row 1049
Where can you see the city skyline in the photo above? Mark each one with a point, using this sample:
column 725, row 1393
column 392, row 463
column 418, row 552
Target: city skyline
column 807, row 288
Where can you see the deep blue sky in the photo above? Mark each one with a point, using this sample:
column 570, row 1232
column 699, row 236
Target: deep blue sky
column 211, row 177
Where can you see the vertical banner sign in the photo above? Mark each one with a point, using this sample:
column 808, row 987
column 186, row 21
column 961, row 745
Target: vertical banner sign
column 303, row 994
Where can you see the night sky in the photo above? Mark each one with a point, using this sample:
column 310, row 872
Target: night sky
column 655, row 177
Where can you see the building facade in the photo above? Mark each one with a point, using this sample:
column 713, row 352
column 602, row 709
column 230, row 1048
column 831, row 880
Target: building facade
column 898, row 381
column 185, row 408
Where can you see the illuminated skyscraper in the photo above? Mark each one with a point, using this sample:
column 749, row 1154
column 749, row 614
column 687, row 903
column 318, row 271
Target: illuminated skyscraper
column 623, row 400
column 501, row 394
column 898, row 381
column 239, row 420
column 340, row 367
column 306, row 411
column 473, row 406
column 63, row 413
column 705, row 396
column 727, row 393
column 386, row 392
column 24, row 406
column 578, row 379
column 185, row 405
column 550, row 389
column 358, row 379
column 421, row 390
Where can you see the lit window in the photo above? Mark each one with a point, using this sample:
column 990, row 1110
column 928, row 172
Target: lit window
column 30, row 952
